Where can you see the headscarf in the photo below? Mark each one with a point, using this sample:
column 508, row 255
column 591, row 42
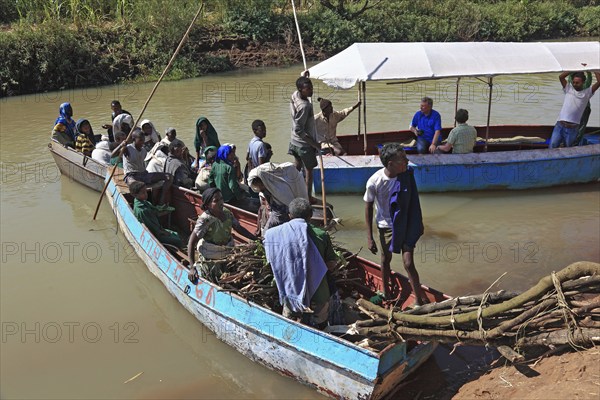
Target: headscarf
column 120, row 120
column 282, row 181
column 209, row 148
column 212, row 138
column 153, row 136
column 223, row 153
column 65, row 120
column 78, row 130
column 207, row 196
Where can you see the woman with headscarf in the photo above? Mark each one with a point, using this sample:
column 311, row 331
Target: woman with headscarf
column 279, row 184
column 206, row 135
column 64, row 126
column 122, row 123
column 85, row 137
column 212, row 234
column 151, row 136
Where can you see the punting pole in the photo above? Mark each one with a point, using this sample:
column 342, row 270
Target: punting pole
column 364, row 93
column 487, row 128
column 181, row 43
column 321, row 167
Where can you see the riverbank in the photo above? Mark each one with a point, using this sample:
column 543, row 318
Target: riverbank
column 570, row 375
column 84, row 44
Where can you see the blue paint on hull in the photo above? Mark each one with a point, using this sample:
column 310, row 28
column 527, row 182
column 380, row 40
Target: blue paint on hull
column 479, row 171
column 333, row 366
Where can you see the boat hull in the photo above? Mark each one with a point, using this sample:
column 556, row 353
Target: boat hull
column 513, row 170
column 332, row 366
column 78, row 167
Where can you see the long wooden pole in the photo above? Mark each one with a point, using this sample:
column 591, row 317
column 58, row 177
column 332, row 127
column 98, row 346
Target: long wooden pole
column 364, row 93
column 456, row 100
column 359, row 94
column 181, row 43
column 487, row 127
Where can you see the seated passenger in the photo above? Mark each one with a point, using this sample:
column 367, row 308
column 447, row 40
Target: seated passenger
column 122, row 123
column 135, row 168
column 175, row 165
column 119, row 138
column 64, row 126
column 210, row 154
column 300, row 256
column 116, row 108
column 224, row 177
column 206, row 135
column 462, row 138
column 156, row 161
column 212, row 234
column 85, row 137
column 150, row 134
column 103, row 150
column 147, row 213
column 279, row 184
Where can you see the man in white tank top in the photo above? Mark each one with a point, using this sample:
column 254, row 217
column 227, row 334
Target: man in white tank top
column 576, row 99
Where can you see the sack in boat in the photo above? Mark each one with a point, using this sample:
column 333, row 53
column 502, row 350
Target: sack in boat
column 210, row 251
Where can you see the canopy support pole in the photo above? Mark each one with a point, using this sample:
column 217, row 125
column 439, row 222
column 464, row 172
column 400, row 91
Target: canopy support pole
column 456, row 99
column 364, row 92
column 487, row 127
column 359, row 94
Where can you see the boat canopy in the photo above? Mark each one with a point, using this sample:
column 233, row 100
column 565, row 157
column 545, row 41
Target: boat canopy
column 363, row 62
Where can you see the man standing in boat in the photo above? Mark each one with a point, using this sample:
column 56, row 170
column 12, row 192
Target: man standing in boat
column 303, row 143
column 326, row 124
column 576, row 99
column 300, row 255
column 393, row 191
column 427, row 126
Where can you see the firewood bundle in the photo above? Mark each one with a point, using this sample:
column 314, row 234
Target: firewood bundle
column 561, row 309
column 246, row 272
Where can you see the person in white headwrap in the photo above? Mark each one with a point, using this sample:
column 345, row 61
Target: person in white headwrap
column 279, row 184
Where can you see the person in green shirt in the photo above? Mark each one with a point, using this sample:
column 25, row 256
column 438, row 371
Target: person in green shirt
column 147, row 213
column 461, row 139
column 223, row 176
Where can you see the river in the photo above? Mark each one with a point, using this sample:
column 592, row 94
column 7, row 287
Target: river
column 81, row 314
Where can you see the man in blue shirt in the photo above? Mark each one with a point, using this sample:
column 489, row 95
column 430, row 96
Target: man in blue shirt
column 427, row 126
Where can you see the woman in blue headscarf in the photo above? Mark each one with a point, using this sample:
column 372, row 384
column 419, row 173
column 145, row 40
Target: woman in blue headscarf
column 64, row 126
column 206, row 135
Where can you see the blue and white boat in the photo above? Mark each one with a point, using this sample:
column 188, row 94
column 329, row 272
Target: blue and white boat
column 334, row 366
column 506, row 157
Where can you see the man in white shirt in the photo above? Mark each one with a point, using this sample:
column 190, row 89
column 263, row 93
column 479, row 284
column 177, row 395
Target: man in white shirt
column 576, row 98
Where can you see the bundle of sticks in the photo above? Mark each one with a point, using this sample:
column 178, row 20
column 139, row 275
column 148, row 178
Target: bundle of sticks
column 246, row 272
column 561, row 309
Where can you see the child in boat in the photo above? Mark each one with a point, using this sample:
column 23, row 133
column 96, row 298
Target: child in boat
column 399, row 220
column 85, row 137
column 147, row 213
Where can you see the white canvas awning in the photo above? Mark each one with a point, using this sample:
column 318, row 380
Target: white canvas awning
column 400, row 61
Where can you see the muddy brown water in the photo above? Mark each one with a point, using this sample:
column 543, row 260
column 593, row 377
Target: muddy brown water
column 81, row 314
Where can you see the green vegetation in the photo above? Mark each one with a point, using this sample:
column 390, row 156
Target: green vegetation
column 56, row 44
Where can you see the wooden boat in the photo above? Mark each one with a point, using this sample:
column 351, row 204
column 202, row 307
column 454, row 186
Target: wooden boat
column 332, row 365
column 498, row 163
column 77, row 166
column 91, row 173
column 507, row 164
